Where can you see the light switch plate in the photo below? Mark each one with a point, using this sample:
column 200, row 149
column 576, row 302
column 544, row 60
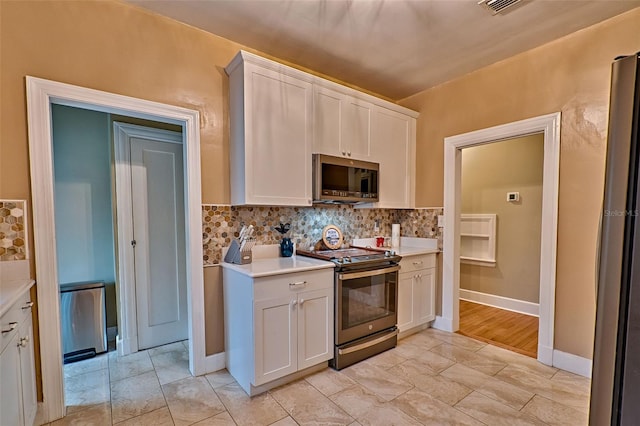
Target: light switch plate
column 440, row 221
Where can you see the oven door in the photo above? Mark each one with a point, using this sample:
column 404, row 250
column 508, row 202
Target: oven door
column 366, row 302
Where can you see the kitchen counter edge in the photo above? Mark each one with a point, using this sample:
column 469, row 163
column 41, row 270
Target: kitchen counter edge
column 277, row 266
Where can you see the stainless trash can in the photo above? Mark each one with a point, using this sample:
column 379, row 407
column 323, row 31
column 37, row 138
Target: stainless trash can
column 83, row 320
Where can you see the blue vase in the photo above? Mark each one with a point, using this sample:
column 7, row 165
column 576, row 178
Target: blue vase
column 286, row 247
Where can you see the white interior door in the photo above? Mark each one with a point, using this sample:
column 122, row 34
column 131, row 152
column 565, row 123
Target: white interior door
column 157, row 191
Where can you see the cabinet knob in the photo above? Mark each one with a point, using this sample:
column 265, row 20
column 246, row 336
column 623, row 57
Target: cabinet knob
column 344, row 152
column 301, row 302
column 28, row 305
column 12, row 326
column 24, row 341
column 349, row 153
column 293, row 303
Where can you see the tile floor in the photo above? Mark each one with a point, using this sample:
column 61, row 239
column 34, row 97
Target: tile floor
column 430, row 378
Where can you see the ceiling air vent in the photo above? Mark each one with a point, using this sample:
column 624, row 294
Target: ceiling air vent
column 497, row 6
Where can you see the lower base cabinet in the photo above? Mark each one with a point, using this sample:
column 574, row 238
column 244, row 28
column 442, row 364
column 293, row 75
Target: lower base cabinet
column 277, row 325
column 18, row 402
column 416, row 291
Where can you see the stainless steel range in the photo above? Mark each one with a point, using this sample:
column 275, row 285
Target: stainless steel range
column 366, row 295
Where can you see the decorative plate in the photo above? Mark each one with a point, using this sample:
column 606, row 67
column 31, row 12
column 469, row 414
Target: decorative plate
column 332, row 237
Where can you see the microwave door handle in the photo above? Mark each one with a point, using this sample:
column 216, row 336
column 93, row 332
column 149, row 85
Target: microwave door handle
column 354, row 275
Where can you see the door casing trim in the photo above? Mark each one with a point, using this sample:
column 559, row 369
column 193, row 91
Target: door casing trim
column 549, row 125
column 41, row 94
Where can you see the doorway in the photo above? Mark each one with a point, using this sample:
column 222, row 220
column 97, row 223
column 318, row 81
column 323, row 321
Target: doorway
column 549, row 126
column 501, row 204
column 41, row 94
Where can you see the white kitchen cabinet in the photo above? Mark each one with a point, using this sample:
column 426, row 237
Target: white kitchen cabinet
column 271, row 113
column 276, row 326
column 342, row 124
column 393, row 146
column 416, row 291
column 18, row 402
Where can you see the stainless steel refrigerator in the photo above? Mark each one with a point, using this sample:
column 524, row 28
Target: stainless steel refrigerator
column 615, row 385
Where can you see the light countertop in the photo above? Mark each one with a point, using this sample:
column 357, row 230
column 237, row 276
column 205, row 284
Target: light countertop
column 264, row 267
column 409, row 246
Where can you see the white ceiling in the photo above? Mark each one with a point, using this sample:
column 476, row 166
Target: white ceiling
column 392, row 47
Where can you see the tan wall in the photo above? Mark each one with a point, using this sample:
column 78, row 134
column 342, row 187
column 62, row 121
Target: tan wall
column 570, row 75
column 488, row 173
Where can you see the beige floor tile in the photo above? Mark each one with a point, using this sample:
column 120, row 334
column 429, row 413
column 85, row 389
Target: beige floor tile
column 502, row 391
column 421, row 340
column 555, row 413
column 469, row 358
column 554, row 390
column 159, row 417
column 329, row 381
column 220, row 378
column 259, row 410
column 308, row 406
column 129, row 365
column 222, row 419
column 356, row 400
column 581, row 384
column 99, row 362
column 493, row 413
column 440, row 387
column 411, row 370
column 287, row 421
column 191, row 400
column 455, row 339
column 176, row 346
column 421, row 406
column 517, row 360
column 433, row 361
column 171, row 366
column 96, row 415
column 135, row 396
column 383, row 383
column 87, row 390
column 386, row 360
column 386, row 415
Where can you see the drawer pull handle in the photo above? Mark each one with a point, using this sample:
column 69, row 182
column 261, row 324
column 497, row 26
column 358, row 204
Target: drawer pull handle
column 28, row 305
column 12, row 326
column 298, row 284
column 418, row 263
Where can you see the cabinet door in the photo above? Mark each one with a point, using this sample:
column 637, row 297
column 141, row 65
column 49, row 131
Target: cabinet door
column 394, row 147
column 275, row 329
column 278, row 114
column 10, row 394
column 28, row 372
column 356, row 135
column 424, row 302
column 328, row 110
column 315, row 327
column 406, row 318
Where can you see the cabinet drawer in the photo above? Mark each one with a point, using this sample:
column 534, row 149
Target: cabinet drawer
column 414, row 263
column 16, row 315
column 283, row 285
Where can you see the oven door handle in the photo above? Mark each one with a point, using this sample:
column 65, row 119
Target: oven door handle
column 353, row 275
column 367, row 344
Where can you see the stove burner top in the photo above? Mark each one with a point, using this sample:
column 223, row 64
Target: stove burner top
column 353, row 256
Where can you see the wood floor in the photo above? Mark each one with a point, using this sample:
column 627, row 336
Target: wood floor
column 509, row 330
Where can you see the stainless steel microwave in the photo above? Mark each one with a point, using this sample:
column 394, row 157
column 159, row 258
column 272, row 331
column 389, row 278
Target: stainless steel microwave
column 343, row 180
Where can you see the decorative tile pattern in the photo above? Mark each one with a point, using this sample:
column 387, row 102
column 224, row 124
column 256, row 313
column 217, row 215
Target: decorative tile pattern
column 220, row 224
column 13, row 233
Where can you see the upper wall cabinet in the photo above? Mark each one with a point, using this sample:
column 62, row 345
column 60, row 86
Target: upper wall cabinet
column 271, row 133
column 393, row 146
column 342, row 124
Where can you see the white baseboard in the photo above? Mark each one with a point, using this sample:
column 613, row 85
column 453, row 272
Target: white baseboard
column 572, row 363
column 214, row 362
column 545, row 354
column 501, row 302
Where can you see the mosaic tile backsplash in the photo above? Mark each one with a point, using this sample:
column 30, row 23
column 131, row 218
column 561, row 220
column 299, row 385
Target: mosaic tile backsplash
column 221, row 223
column 13, row 234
